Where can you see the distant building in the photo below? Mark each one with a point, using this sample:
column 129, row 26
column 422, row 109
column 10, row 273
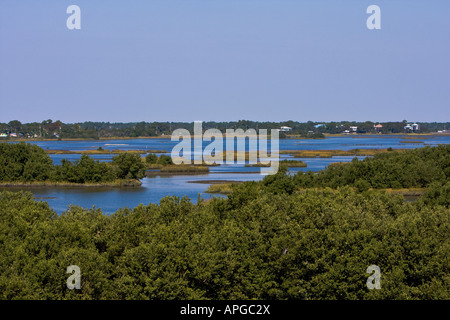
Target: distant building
column 353, row 129
column 317, row 126
column 13, row 134
column 346, row 132
column 285, row 129
column 3, row 135
column 412, row 127
column 378, row 127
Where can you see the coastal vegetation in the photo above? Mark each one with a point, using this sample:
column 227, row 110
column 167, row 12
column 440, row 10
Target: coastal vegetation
column 332, row 153
column 286, row 162
column 29, row 164
column 415, row 168
column 303, row 236
column 100, row 151
column 185, row 168
column 221, row 188
column 164, row 165
column 163, row 160
column 411, row 141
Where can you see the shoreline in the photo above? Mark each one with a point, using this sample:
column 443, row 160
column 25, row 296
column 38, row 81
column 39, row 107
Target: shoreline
column 388, row 135
column 215, row 182
column 325, row 153
column 104, row 151
column 114, row 184
column 85, row 139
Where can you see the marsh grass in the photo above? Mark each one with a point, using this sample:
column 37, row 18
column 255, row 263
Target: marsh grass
column 182, row 168
column 101, row 151
column 332, row 153
column 221, row 188
column 411, row 141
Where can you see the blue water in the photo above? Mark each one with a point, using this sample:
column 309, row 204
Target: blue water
column 155, row 188
column 330, row 143
column 152, row 191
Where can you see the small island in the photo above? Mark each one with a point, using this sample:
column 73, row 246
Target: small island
column 286, row 162
column 25, row 164
column 100, row 150
column 163, row 165
column 332, row 153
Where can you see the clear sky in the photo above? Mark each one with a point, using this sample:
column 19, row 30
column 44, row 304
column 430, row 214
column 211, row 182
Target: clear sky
column 223, row 60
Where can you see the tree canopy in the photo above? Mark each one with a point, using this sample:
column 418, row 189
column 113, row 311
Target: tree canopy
column 25, row 162
column 266, row 240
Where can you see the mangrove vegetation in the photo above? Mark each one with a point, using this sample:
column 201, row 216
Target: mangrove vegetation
column 265, row 240
column 24, row 163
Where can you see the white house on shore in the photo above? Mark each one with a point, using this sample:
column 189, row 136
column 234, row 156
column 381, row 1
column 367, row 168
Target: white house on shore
column 285, row 129
column 412, row 127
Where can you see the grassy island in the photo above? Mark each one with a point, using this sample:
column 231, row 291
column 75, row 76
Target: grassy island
column 222, row 188
column 100, row 150
column 287, row 163
column 332, row 153
column 164, row 165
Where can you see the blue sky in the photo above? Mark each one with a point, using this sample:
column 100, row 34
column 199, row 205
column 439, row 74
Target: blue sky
column 223, row 60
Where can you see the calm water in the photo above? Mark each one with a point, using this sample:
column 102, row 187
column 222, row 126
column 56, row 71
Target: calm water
column 155, row 188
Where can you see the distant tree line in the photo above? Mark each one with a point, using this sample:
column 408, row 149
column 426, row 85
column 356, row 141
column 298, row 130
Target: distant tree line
column 25, row 162
column 94, row 130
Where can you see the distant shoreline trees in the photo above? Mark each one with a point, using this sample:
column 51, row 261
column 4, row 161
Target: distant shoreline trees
column 50, row 129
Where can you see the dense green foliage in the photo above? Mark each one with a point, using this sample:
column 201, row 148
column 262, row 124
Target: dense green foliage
column 129, row 166
column 151, row 158
column 20, row 162
column 162, row 159
column 256, row 244
column 413, row 168
column 265, row 241
column 24, row 162
column 82, row 171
